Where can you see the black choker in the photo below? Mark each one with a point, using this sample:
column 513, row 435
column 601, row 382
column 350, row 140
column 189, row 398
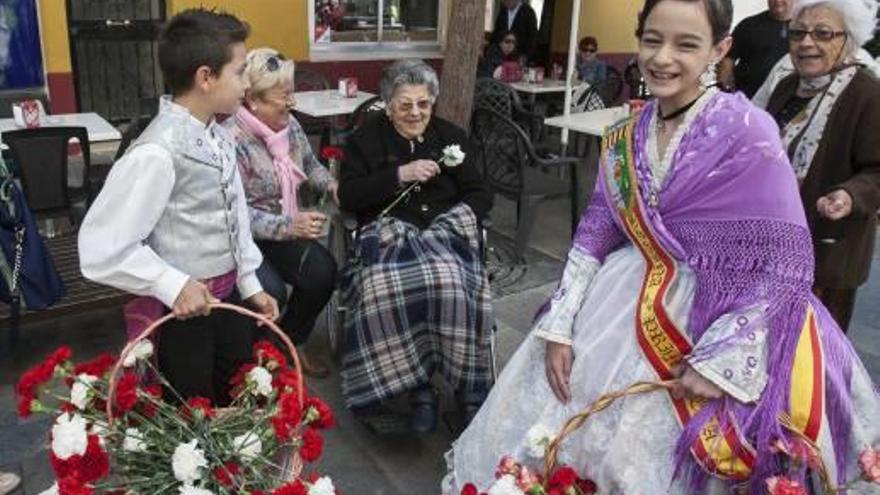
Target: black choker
column 679, row 111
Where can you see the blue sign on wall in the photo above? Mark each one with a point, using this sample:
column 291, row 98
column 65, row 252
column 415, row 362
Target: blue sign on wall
column 21, row 61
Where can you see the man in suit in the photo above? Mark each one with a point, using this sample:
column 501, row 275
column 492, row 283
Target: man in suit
column 518, row 17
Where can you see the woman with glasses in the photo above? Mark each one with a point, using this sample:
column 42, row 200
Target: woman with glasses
column 589, row 67
column 417, row 293
column 275, row 159
column 496, row 54
column 829, row 116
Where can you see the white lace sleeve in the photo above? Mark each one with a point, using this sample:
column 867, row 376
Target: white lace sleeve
column 732, row 354
column 556, row 323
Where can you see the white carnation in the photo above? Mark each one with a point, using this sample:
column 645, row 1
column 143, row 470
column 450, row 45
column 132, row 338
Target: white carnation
column 142, row 350
column 248, row 446
column 69, row 436
column 538, row 438
column 452, row 155
column 324, row 486
column 187, row 462
column 80, row 391
column 134, row 441
column 262, row 379
column 506, row 485
column 193, row 490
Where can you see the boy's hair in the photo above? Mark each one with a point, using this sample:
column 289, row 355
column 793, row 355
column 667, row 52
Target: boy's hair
column 195, row 38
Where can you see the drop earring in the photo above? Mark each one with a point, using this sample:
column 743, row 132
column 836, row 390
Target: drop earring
column 709, row 77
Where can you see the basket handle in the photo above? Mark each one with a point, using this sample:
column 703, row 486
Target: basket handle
column 603, row 402
column 150, row 330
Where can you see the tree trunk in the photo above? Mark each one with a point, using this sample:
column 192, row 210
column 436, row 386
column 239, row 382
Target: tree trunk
column 464, row 41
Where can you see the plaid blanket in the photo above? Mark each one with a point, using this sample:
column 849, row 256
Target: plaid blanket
column 420, row 302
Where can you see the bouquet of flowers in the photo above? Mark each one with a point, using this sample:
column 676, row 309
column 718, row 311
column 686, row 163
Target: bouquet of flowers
column 512, row 478
column 114, row 434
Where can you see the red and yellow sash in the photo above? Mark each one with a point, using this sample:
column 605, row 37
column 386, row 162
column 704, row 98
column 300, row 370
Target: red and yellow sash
column 726, row 454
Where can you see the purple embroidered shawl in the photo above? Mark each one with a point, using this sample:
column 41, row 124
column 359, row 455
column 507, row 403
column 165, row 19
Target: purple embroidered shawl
column 730, row 210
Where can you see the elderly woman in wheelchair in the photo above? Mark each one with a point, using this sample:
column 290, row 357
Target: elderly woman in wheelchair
column 416, row 291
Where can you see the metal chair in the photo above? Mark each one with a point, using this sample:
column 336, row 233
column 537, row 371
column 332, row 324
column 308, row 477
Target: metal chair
column 366, row 110
column 514, row 169
column 308, row 80
column 612, row 87
column 40, row 156
column 502, row 98
column 586, row 98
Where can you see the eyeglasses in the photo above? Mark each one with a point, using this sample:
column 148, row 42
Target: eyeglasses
column 508, row 41
column 407, row 106
column 819, row 33
column 274, row 62
column 591, row 50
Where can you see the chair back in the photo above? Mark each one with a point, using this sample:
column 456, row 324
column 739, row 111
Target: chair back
column 149, row 107
column 496, row 95
column 586, row 98
column 40, row 156
column 612, row 87
column 308, row 80
column 366, row 110
column 504, row 150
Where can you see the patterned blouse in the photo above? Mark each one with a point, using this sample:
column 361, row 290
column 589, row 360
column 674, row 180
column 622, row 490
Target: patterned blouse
column 261, row 183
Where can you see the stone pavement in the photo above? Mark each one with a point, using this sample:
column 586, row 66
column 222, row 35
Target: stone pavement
column 359, row 462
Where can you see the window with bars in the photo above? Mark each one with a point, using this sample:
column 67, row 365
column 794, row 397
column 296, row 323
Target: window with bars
column 375, row 26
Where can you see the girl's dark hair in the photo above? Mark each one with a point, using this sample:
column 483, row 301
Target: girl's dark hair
column 194, row 38
column 720, row 16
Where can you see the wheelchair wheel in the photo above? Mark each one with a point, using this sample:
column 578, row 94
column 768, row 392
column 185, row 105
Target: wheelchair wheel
column 334, row 312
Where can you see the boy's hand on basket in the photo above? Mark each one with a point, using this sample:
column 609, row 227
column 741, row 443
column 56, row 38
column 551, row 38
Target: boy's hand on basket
column 558, row 361
column 264, row 304
column 692, row 385
column 194, row 300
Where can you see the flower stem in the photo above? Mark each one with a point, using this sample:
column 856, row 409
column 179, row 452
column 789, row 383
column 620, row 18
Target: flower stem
column 399, row 198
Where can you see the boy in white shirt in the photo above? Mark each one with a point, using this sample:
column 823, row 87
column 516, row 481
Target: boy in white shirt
column 171, row 224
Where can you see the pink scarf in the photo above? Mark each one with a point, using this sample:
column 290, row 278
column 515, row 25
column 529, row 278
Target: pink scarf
column 278, row 143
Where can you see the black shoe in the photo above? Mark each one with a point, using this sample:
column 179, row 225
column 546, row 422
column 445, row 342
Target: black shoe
column 470, row 403
column 424, row 410
column 381, row 421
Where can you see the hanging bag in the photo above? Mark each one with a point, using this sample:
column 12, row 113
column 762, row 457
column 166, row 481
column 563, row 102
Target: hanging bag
column 29, row 279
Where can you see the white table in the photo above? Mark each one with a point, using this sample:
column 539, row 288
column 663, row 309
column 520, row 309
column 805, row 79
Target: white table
column 99, row 129
column 545, row 87
column 328, row 103
column 592, row 123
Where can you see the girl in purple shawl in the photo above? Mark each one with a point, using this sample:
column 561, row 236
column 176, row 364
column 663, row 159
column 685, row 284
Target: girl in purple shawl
column 693, row 262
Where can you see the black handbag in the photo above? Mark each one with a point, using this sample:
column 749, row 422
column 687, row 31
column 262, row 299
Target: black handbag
column 29, row 279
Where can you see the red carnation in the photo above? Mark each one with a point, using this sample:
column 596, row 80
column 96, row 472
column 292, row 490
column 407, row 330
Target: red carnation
column 148, row 407
column 96, row 367
column 24, row 405
column 226, row 472
column 126, row 392
column 332, row 153
column 784, row 486
column 469, row 489
column 292, row 488
column 87, row 468
column 286, row 380
column 325, row 414
column 563, row 477
column 60, row 355
column 288, row 418
column 237, row 381
column 313, row 445
column 71, row 485
column 587, row 487
column 198, row 406
column 33, row 378
column 266, row 354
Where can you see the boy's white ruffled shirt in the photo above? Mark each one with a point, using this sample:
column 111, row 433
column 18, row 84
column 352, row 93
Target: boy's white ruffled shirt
column 188, row 461
column 69, row 436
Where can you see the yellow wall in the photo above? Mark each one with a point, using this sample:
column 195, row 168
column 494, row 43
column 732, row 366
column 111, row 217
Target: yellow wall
column 53, row 29
column 613, row 23
column 281, row 24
